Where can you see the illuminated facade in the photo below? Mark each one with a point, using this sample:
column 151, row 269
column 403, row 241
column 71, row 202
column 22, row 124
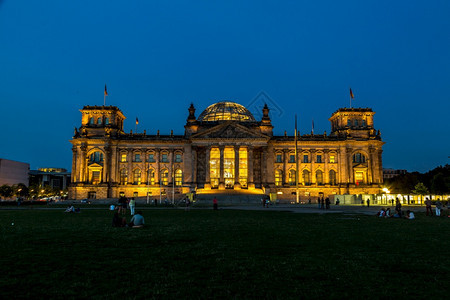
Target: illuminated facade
column 225, row 148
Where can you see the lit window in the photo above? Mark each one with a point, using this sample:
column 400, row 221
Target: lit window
column 279, row 158
column 137, row 176
column 278, row 177
column 137, row 157
column 151, row 175
column 214, row 166
column 96, row 157
column 164, row 177
column 243, row 167
column 177, row 157
column 305, row 158
column 123, row 176
column 319, row 177
column 178, row 177
column 319, row 158
column 332, row 177
column 292, row 158
column 332, row 159
column 359, row 177
column 292, row 177
column 151, row 157
column 95, row 177
column 123, row 157
column 306, row 177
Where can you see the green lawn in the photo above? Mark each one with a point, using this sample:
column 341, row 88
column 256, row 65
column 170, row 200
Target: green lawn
column 222, row 254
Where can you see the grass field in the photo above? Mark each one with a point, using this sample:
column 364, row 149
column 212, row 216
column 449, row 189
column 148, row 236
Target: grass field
column 222, row 254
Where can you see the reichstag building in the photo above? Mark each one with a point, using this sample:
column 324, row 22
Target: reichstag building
column 224, row 148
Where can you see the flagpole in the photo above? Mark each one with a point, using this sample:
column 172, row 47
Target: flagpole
column 296, row 162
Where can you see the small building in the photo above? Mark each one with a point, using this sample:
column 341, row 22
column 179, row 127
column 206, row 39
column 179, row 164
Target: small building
column 56, row 178
column 13, row 172
column 391, row 173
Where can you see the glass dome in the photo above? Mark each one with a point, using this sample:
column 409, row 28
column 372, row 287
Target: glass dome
column 224, row 111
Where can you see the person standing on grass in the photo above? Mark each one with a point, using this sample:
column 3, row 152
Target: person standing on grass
column 215, row 205
column 322, row 203
column 368, row 202
column 398, row 208
column 438, row 208
column 327, row 203
column 132, row 205
column 428, row 206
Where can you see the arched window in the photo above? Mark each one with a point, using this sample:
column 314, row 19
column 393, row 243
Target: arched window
column 96, row 156
column 292, row 177
column 106, row 121
column 349, row 122
column 91, row 121
column 123, row 176
column 306, row 177
column 178, row 177
column 137, row 176
column 278, row 177
column 99, row 121
column 151, row 176
column 319, row 177
column 332, row 177
column 359, row 158
column 164, row 177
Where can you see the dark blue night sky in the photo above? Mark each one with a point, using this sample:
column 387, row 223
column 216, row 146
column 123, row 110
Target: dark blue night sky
column 157, row 57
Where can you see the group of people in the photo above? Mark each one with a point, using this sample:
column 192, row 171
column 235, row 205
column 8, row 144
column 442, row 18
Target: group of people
column 439, row 207
column 324, row 203
column 386, row 213
column 137, row 221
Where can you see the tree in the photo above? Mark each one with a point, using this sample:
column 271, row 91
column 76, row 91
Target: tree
column 420, row 189
column 6, row 191
column 20, row 190
column 440, row 185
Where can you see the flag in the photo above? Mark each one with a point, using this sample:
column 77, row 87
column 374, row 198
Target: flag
column 106, row 93
column 137, row 121
column 351, row 94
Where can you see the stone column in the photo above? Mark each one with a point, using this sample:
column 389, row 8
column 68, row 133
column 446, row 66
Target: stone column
column 285, row 170
column 82, row 164
column 194, row 167
column 171, row 162
column 326, row 175
column 237, row 184
column 221, row 181
column 106, row 164
column 74, row 164
column 264, row 166
column 312, row 165
column 370, row 166
column 158, row 164
column 251, row 184
column 114, row 162
column 349, row 164
column 207, row 169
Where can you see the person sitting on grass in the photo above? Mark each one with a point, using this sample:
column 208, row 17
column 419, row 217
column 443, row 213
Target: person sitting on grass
column 70, row 209
column 381, row 213
column 409, row 215
column 388, row 213
column 118, row 221
column 137, row 221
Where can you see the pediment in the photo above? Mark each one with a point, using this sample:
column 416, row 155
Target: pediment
column 360, row 166
column 95, row 166
column 229, row 130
